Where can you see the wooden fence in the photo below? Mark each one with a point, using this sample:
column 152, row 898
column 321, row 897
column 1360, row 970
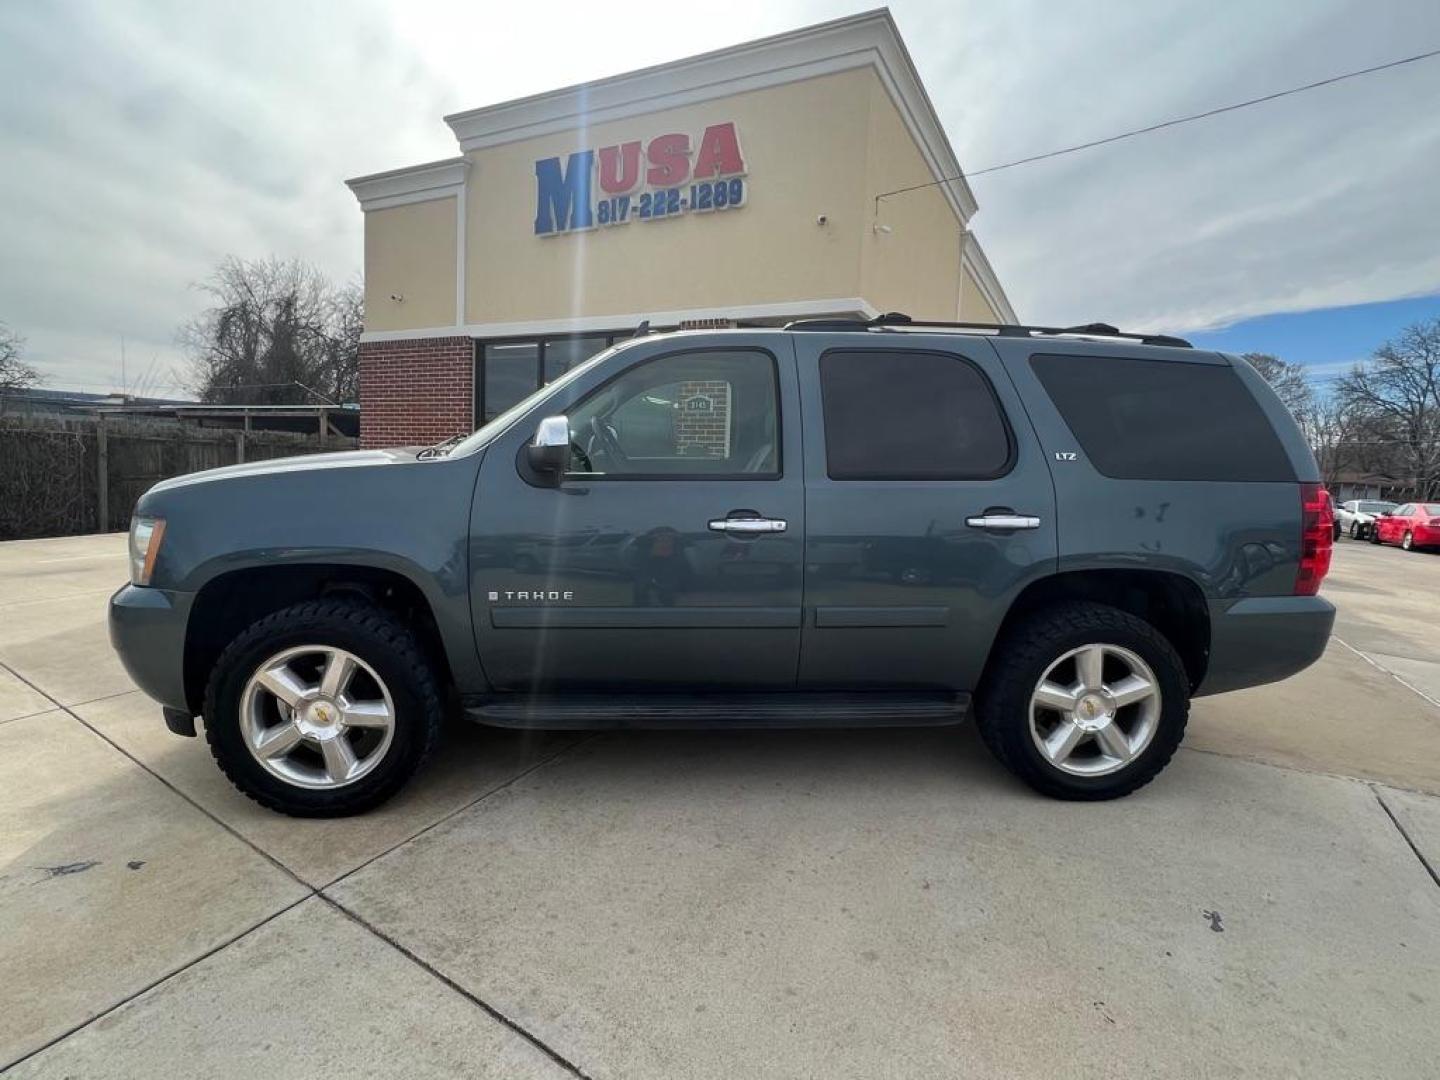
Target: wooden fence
column 61, row 477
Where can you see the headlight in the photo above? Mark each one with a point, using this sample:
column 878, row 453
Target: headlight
column 146, row 535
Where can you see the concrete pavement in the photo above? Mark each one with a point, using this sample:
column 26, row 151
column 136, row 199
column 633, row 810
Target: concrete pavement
column 865, row 905
column 1389, row 604
column 1371, row 707
column 761, row 904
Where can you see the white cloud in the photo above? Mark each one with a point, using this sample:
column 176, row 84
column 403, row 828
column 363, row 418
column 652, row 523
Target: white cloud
column 1321, row 199
column 142, row 142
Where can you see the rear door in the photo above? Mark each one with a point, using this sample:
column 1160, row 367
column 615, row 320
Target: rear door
column 669, row 554
column 928, row 508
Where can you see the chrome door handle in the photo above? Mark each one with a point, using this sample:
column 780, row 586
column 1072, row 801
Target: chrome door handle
column 1003, row 521
column 747, row 526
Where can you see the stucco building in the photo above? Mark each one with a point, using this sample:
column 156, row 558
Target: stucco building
column 735, row 187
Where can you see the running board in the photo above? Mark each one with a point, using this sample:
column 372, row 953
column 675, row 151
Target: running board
column 582, row 712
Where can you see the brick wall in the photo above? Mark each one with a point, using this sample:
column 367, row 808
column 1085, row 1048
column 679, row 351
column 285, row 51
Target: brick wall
column 703, row 432
column 416, row 392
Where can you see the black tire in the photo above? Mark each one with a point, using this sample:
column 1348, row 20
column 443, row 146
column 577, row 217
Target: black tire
column 1408, row 541
column 1373, row 535
column 1023, row 656
column 1335, row 531
column 1355, row 530
column 376, row 637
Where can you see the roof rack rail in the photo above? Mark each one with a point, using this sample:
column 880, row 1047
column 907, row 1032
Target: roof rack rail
column 899, row 318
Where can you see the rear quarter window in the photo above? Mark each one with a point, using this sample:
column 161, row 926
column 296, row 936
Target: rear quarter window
column 1163, row 419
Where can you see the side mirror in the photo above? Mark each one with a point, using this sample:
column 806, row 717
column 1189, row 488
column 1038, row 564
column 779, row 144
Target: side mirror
column 549, row 452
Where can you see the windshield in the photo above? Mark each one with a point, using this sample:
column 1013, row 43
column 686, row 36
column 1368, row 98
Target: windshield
column 1374, row 507
column 482, row 435
column 1431, row 509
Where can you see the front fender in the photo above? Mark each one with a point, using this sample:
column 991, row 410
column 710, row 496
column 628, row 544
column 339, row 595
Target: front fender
column 406, row 517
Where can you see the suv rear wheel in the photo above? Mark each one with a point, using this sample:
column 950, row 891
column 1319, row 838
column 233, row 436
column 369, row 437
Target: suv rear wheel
column 323, row 709
column 1084, row 701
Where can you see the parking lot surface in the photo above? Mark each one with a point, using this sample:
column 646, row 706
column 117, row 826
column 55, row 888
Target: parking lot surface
column 867, row 904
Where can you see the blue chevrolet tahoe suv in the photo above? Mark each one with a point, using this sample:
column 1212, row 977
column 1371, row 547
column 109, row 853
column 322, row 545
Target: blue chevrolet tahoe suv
column 1064, row 533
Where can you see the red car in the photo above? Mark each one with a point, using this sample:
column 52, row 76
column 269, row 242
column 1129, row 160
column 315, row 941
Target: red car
column 1414, row 525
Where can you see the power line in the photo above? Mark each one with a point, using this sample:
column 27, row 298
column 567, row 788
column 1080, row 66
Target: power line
column 1165, row 124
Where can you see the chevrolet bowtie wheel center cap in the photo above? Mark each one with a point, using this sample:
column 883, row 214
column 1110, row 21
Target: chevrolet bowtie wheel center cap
column 320, row 719
column 1093, row 711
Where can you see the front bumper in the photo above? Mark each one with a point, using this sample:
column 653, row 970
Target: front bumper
column 1264, row 639
column 147, row 630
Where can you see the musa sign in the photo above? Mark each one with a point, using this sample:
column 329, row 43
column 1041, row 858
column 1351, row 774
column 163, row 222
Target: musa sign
column 663, row 178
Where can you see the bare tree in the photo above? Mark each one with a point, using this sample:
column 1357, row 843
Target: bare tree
column 1397, row 396
column 15, row 374
column 342, row 350
column 1336, row 432
column 1288, row 380
column 278, row 333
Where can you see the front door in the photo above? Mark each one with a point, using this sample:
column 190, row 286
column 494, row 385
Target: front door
column 670, row 553
column 928, row 509
column 1391, row 529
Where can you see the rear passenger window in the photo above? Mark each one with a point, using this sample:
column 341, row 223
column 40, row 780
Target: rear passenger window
column 1163, row 419
column 910, row 415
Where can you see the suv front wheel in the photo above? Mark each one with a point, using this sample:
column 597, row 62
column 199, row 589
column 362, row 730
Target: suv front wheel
column 1084, row 701
column 323, row 709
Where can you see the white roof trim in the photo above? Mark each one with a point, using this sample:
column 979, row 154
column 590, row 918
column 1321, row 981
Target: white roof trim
column 791, row 309
column 418, row 183
column 972, row 258
column 870, row 39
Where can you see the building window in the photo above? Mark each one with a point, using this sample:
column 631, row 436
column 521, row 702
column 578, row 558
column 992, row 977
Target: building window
column 562, row 354
column 511, row 373
column 508, row 371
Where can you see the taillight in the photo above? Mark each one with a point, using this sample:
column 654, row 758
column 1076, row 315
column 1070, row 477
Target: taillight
column 1317, row 538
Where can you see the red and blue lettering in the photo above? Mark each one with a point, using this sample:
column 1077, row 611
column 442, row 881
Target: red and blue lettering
column 565, row 194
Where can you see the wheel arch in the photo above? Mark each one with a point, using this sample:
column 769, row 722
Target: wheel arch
column 234, row 599
column 1171, row 602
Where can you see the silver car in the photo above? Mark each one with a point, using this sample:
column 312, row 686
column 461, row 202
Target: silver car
column 1355, row 518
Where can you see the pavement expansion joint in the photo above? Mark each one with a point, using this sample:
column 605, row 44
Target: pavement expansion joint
column 480, row 1003
column 1434, row 876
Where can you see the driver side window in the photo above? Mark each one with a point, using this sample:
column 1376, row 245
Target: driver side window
column 705, row 414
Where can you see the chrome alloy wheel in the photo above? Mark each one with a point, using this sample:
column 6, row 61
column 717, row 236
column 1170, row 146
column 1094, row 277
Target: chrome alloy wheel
column 1095, row 710
column 317, row 717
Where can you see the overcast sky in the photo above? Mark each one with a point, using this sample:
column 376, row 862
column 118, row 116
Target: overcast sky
column 143, row 142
